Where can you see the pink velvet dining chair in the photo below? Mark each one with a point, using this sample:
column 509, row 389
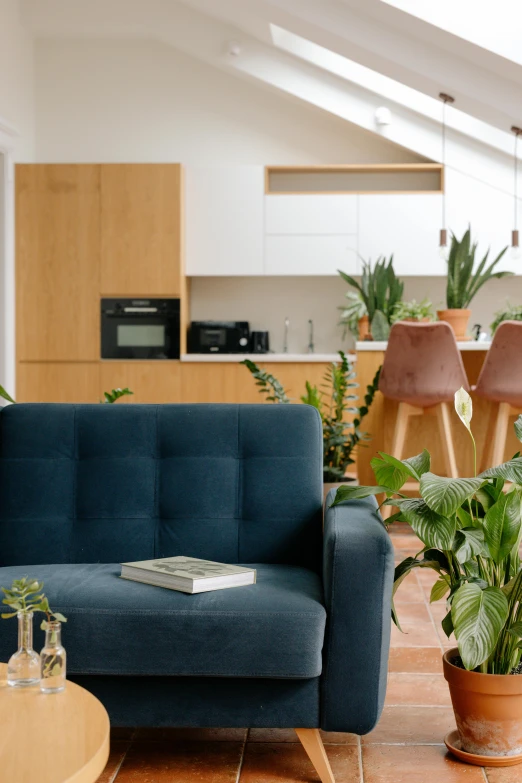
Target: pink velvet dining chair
column 422, row 370
column 500, row 381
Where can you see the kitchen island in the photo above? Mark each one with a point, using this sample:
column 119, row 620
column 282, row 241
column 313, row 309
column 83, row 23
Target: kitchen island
column 422, row 430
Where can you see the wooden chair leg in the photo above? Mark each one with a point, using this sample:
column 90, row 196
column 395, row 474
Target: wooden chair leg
column 401, row 427
column 501, row 430
column 313, row 744
column 443, row 418
column 486, row 460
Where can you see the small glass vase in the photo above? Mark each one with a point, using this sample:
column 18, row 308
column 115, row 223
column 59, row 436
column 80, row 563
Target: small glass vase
column 23, row 669
column 54, row 660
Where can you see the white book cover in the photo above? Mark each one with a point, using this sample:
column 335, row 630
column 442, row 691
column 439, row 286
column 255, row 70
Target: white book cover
column 188, row 568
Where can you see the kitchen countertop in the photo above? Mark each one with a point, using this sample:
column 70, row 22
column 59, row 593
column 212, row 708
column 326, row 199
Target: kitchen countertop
column 470, row 345
column 264, row 357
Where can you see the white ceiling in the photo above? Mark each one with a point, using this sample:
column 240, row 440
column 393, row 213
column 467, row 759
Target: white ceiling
column 371, row 33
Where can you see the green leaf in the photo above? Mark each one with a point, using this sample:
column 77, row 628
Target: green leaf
column 356, row 493
column 5, row 395
column 478, row 617
column 445, row 495
column 447, row 624
column 7, row 616
column 502, row 525
column 419, row 464
column 516, row 630
column 518, row 427
column 434, row 530
column 380, row 326
column 469, row 542
column 441, row 588
column 510, row 471
column 389, row 472
column 59, row 617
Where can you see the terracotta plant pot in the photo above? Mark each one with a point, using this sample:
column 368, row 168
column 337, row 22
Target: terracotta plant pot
column 458, row 320
column 488, row 709
column 364, row 328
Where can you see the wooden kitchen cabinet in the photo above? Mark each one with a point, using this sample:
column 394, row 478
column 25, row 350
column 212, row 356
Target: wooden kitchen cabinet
column 57, row 262
column 58, row 382
column 151, row 381
column 141, row 229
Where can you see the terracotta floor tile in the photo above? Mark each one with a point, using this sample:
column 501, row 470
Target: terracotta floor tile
column 338, row 738
column 288, row 763
column 406, row 542
column 272, row 735
column 409, row 592
column 415, row 659
column 438, row 610
column 118, row 751
column 426, row 576
column 413, row 634
column 418, row 689
column 415, row 764
column 504, row 774
column 190, row 762
column 191, row 735
column 414, row 613
column 412, row 725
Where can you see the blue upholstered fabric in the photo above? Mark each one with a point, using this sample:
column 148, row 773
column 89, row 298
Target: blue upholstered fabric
column 207, row 701
column 88, row 486
column 358, row 581
column 274, row 628
column 92, row 483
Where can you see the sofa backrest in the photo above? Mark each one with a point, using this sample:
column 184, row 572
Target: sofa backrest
column 116, row 483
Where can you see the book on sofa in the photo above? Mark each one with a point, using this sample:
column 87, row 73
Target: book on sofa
column 188, row 574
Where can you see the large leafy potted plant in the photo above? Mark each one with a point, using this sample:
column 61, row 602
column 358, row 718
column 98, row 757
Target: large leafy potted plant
column 334, row 401
column 380, row 290
column 464, row 281
column 354, row 316
column 507, row 313
column 471, row 530
column 413, row 311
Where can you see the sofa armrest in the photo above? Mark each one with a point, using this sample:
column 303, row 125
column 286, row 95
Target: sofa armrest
column 358, row 566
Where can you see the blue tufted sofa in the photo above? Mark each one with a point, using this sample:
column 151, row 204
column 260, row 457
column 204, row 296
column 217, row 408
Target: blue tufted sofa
column 86, row 487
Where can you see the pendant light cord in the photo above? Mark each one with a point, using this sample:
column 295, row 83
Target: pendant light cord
column 515, row 183
column 444, row 162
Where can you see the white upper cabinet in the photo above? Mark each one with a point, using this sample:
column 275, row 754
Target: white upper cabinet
column 406, row 225
column 311, row 214
column 224, row 220
column 310, row 255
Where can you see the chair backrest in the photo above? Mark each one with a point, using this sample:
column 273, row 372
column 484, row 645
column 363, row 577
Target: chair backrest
column 109, row 483
column 501, row 376
column 422, row 364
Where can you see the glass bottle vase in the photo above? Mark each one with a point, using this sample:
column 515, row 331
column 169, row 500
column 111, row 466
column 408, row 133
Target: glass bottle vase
column 23, row 669
column 54, row 660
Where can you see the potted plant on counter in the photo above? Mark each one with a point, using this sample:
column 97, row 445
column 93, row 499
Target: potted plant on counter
column 334, row 401
column 471, row 530
column 508, row 313
column 354, row 316
column 413, row 311
column 463, row 282
column 380, row 290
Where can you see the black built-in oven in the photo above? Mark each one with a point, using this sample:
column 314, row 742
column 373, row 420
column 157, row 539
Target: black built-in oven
column 140, row 328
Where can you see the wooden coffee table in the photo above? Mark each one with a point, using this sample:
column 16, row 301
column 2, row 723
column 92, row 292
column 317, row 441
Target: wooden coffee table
column 51, row 738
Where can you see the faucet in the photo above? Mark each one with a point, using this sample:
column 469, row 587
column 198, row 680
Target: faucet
column 311, row 347
column 285, row 342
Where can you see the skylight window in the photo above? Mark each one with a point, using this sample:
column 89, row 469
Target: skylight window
column 387, row 88
column 493, row 26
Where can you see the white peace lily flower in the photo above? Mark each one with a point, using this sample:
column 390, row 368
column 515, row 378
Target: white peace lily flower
column 464, row 407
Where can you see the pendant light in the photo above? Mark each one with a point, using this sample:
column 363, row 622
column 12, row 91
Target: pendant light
column 515, row 244
column 443, row 237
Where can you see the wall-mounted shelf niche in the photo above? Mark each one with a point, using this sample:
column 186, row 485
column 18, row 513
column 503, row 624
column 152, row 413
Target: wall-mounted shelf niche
column 355, row 178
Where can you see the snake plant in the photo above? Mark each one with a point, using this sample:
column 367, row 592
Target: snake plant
column 463, row 283
column 380, row 291
column 471, row 530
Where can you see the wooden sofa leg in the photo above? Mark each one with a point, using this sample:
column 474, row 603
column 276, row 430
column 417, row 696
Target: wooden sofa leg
column 313, row 744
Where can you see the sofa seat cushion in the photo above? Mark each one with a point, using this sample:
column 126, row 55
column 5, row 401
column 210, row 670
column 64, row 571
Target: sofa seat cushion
column 274, row 628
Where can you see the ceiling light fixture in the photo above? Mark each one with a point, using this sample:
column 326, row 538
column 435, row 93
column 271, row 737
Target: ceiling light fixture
column 515, row 243
column 443, row 237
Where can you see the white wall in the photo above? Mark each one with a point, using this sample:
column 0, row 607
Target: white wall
column 265, row 302
column 16, row 78
column 107, row 101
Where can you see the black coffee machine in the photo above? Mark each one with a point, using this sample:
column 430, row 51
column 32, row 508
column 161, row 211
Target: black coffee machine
column 259, row 342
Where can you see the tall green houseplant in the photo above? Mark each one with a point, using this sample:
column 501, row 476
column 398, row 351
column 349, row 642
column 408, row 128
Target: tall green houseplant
column 380, row 290
column 334, row 400
column 464, row 280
